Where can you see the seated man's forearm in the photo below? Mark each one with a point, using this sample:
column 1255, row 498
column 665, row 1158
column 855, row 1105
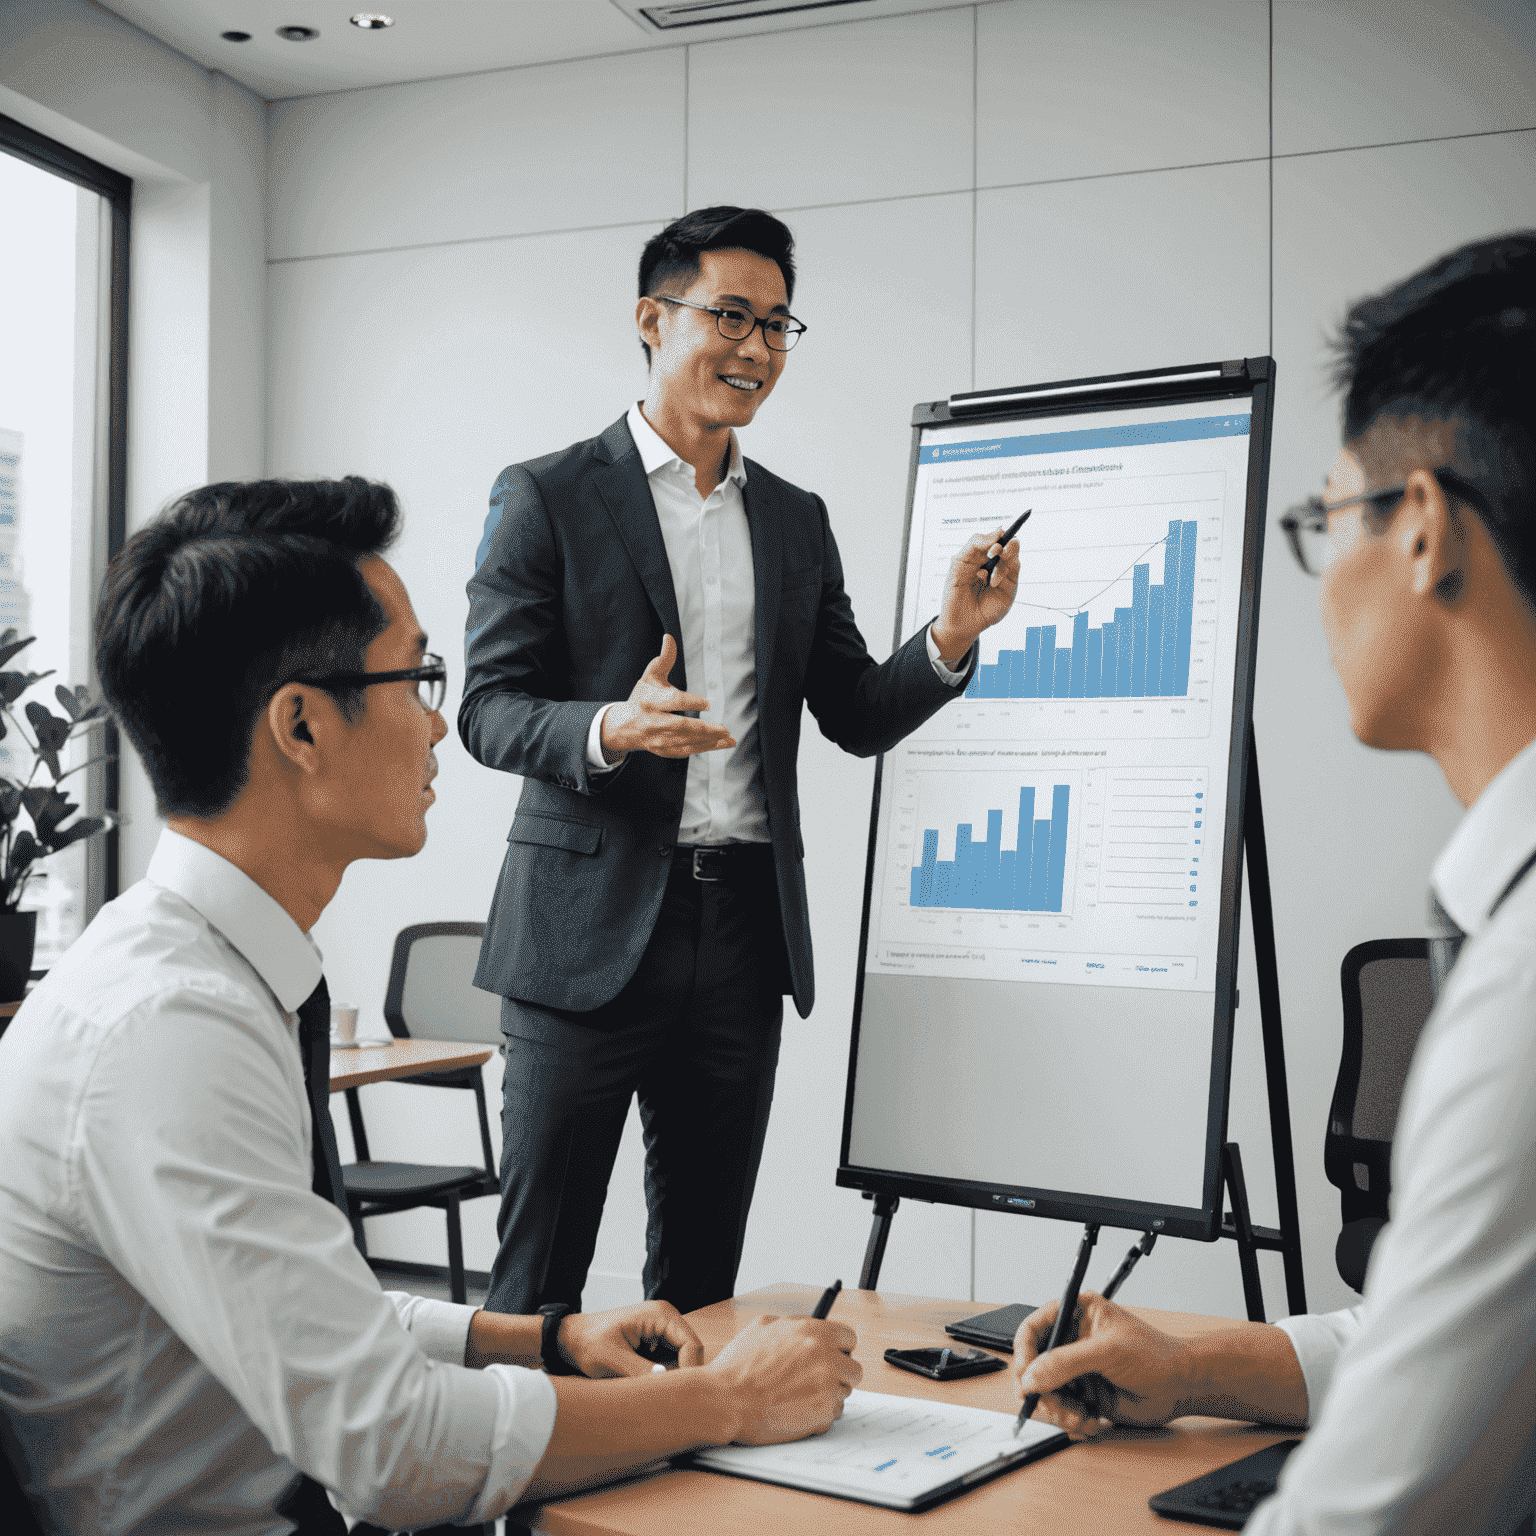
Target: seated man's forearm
column 605, row 1427
column 1249, row 1372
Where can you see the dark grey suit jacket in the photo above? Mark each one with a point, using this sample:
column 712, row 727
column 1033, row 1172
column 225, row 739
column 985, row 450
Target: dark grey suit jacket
column 571, row 595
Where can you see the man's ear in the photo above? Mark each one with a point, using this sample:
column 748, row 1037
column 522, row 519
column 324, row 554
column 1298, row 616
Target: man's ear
column 648, row 322
column 290, row 714
column 1433, row 538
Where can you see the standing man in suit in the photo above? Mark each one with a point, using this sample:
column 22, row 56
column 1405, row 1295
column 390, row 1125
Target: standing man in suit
column 648, row 612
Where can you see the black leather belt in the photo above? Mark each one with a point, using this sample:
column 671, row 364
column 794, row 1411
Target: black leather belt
column 735, row 861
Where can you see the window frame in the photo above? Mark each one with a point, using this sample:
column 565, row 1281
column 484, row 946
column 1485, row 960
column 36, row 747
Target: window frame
column 116, row 190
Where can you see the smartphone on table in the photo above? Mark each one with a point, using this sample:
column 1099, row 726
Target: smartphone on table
column 944, row 1364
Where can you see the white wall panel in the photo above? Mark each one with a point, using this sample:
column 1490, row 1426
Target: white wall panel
column 1353, row 831
column 433, row 369
column 834, row 114
column 885, row 289
column 1380, row 71
column 557, row 146
column 1081, row 87
column 1129, row 272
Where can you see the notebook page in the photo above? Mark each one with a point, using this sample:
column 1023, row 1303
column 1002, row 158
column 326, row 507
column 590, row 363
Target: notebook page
column 890, row 1450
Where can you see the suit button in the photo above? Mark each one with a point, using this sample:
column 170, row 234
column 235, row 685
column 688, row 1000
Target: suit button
column 664, row 850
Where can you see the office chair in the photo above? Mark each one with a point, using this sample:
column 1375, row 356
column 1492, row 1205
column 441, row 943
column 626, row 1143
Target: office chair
column 430, row 998
column 1387, row 997
column 15, row 1509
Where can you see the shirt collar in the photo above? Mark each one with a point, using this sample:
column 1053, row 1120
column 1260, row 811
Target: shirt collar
column 655, row 454
column 1495, row 838
column 275, row 947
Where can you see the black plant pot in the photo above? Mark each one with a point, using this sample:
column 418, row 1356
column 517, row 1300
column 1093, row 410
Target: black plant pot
column 18, row 936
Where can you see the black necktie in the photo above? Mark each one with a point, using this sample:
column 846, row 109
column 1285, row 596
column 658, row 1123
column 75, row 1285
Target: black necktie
column 1443, row 949
column 315, row 1045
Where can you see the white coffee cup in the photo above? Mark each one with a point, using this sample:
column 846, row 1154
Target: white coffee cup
column 344, row 1020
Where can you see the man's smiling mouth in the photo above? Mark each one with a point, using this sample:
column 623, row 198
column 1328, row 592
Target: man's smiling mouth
column 746, row 386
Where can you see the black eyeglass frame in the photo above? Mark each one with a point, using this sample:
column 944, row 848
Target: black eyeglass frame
column 1313, row 512
column 800, row 327
column 433, row 670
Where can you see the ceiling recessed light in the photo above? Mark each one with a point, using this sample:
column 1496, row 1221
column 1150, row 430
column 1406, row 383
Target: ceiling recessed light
column 298, row 34
column 235, row 37
column 372, row 21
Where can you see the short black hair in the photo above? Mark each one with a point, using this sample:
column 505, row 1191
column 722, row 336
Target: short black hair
column 670, row 260
column 234, row 590
column 1456, row 344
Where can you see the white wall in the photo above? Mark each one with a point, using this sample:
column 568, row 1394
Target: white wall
column 195, row 144
column 1047, row 187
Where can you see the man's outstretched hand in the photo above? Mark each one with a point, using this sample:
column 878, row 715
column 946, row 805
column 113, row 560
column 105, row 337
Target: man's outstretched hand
column 656, row 717
column 974, row 601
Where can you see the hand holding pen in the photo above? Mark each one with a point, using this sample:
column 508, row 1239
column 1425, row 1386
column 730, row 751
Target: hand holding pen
column 1065, row 1316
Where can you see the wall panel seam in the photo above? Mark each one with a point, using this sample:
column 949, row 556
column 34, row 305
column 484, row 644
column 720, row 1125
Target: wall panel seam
column 433, row 245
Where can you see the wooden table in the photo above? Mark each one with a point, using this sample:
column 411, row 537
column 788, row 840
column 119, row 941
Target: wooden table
column 1098, row 1488
column 402, row 1058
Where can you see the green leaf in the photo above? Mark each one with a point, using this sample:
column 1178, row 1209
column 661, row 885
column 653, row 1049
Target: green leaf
column 86, row 826
column 78, row 704
column 24, row 849
column 14, row 684
column 48, row 807
column 9, row 645
column 51, row 732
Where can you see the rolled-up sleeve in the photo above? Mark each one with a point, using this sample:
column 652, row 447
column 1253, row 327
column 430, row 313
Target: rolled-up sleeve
column 212, row 1220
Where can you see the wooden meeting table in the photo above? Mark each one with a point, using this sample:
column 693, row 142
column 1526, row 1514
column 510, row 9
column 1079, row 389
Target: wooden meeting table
column 1097, row 1488
column 401, row 1058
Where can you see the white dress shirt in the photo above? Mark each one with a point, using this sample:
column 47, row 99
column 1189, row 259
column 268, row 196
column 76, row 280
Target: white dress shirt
column 709, row 548
column 1423, row 1398
column 183, row 1323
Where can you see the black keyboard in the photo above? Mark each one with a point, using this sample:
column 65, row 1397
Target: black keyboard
column 1227, row 1496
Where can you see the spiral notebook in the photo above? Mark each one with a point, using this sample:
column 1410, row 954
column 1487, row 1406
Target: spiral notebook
column 899, row 1452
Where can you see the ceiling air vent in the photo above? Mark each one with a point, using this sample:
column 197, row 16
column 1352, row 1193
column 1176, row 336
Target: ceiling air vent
column 703, row 13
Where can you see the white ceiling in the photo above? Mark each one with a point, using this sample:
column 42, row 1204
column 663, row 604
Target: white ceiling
column 431, row 38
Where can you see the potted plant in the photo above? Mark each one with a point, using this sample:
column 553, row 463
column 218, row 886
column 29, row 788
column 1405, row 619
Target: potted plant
column 48, row 807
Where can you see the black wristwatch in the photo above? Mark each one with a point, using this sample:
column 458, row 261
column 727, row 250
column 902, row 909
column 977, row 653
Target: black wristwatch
column 554, row 1313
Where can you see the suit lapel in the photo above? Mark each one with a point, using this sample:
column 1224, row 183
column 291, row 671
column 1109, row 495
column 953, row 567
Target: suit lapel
column 625, row 492
column 764, row 519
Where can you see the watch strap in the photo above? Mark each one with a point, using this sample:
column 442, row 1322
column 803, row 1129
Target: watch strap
column 554, row 1313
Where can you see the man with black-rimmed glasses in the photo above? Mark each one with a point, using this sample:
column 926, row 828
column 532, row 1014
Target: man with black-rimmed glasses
column 648, row 615
column 190, row 1340
column 1420, row 1402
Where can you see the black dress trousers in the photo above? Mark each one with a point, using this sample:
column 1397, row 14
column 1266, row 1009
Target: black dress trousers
column 695, row 1035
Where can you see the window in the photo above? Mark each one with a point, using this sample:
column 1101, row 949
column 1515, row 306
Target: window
column 63, row 414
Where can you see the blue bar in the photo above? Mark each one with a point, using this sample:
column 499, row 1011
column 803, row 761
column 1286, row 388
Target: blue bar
column 1139, row 631
column 1186, row 607
column 1015, row 688
column 1095, row 672
column 973, row 688
column 1169, row 671
column 962, row 893
column 1154, row 641
column 1141, row 434
column 1123, row 653
column 1110, row 656
column 1063, row 674
column 1046, row 685
column 991, row 879
column 930, row 860
column 1021, row 864
column 1032, row 662
column 1058, row 867
column 1076, row 681
column 1039, row 866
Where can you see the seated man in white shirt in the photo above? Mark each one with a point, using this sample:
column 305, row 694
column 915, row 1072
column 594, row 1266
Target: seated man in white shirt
column 186, row 1325
column 1421, row 1401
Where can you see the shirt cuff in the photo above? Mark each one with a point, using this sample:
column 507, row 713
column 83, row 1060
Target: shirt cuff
column 1319, row 1341
column 947, row 674
column 525, row 1421
column 596, row 762
column 440, row 1328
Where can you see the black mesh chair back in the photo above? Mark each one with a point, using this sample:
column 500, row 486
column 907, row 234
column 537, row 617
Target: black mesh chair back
column 16, row 1517
column 1387, row 993
column 430, row 997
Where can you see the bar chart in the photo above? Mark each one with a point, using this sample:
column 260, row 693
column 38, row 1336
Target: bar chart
column 983, row 875
column 1142, row 652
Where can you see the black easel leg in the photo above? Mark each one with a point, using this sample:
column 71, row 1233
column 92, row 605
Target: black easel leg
column 1274, row 1045
column 1247, row 1253
column 874, row 1254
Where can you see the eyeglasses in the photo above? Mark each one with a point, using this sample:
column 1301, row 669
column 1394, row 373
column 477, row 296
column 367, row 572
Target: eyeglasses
column 781, row 332
column 431, row 679
column 1306, row 524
